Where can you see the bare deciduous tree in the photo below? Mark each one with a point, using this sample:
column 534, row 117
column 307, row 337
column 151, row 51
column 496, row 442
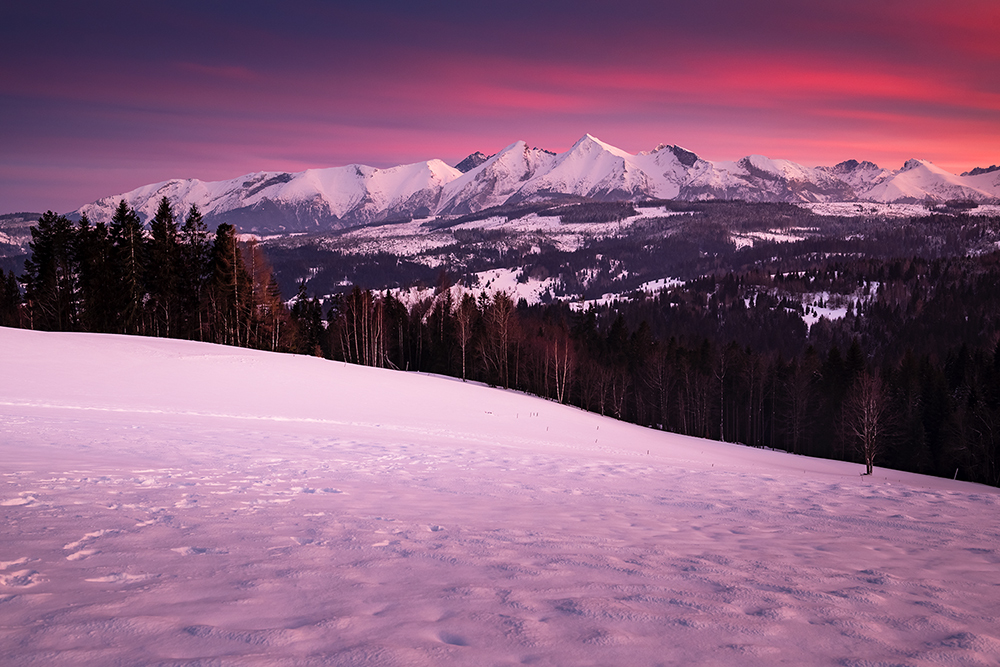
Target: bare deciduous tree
column 868, row 417
column 465, row 318
column 500, row 316
column 563, row 361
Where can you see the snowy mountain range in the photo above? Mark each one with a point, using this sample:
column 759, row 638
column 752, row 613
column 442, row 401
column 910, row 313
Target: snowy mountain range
column 341, row 197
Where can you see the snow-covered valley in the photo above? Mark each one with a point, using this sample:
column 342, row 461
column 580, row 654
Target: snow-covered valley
column 168, row 502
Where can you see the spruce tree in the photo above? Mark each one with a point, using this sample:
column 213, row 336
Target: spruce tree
column 129, row 267
column 307, row 317
column 162, row 274
column 50, row 274
column 229, row 288
column 96, row 287
column 193, row 271
column 10, row 300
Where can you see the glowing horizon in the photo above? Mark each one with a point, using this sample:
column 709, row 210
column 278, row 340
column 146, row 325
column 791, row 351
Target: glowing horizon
column 106, row 98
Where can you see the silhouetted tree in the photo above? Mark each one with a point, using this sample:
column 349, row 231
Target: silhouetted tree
column 10, row 300
column 96, row 281
column 162, row 271
column 465, row 320
column 229, row 288
column 129, row 266
column 50, row 274
column 194, row 271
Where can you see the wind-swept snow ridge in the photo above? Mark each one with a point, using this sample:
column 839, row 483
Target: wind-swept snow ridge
column 920, row 180
column 496, row 180
column 338, row 197
column 165, row 502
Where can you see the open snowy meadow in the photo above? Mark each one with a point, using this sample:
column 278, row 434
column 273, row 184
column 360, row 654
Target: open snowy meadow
column 176, row 503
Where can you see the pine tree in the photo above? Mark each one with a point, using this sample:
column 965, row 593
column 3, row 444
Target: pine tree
column 50, row 274
column 193, row 272
column 162, row 274
column 128, row 262
column 10, row 300
column 93, row 256
column 307, row 318
column 229, row 288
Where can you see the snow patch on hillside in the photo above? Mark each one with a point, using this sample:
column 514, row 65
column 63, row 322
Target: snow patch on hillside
column 869, row 209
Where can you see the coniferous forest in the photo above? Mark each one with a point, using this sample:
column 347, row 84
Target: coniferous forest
column 909, row 378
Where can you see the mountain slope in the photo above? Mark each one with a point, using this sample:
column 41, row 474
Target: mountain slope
column 169, row 502
column 920, row 180
column 306, row 201
column 496, row 180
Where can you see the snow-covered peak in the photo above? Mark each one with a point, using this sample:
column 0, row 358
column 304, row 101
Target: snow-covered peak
column 979, row 171
column 683, row 155
column 987, row 180
column 597, row 170
column 921, row 180
column 472, row 161
column 587, row 153
column 859, row 176
column 496, row 180
column 589, row 144
column 282, row 201
column 912, row 163
column 765, row 167
column 852, row 169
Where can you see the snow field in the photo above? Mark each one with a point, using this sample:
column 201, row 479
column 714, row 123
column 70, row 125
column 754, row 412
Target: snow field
column 166, row 502
column 887, row 210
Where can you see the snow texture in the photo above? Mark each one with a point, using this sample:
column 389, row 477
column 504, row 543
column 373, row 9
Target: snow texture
column 177, row 503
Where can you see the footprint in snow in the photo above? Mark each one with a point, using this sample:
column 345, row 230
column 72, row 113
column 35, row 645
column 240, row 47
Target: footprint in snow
column 5, row 564
column 89, row 536
column 198, row 551
column 21, row 578
column 122, row 578
column 22, row 500
column 453, row 639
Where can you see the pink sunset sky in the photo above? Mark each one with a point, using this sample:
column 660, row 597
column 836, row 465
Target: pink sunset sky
column 100, row 98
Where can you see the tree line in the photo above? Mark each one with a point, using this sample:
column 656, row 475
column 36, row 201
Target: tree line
column 908, row 378
column 177, row 280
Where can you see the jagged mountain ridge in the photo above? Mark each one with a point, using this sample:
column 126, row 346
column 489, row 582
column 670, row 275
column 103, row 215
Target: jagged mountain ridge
column 340, row 197
column 311, row 200
column 472, row 161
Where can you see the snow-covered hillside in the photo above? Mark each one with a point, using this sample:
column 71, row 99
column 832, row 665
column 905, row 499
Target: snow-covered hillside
column 339, row 197
column 168, row 502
